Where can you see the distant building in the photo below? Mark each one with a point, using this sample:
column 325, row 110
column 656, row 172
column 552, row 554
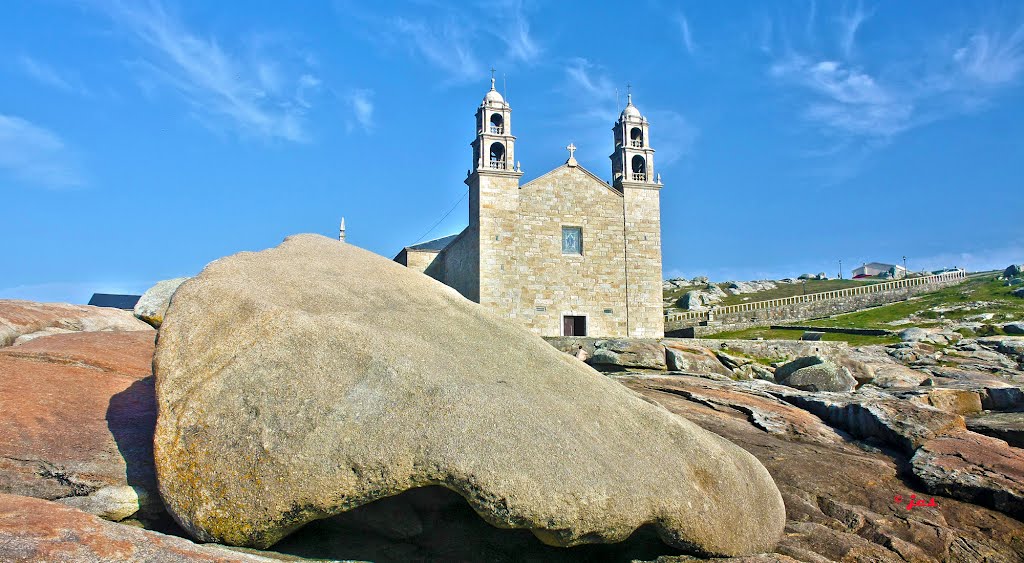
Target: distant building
column 566, row 254
column 875, row 269
column 114, row 301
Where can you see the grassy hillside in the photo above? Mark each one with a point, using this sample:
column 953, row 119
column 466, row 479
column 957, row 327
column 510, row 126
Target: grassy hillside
column 960, row 303
column 783, row 290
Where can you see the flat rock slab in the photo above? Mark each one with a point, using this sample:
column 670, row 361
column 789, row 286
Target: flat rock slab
column 34, row 530
column 305, row 380
column 976, row 468
column 24, row 319
column 1007, row 426
column 78, row 414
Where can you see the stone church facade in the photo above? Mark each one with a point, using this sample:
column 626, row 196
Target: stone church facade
column 565, row 254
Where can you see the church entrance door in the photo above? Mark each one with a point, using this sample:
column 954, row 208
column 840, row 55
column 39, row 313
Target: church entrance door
column 573, row 325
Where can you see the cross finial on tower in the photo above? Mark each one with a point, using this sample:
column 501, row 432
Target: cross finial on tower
column 493, row 70
column 572, row 159
column 629, row 94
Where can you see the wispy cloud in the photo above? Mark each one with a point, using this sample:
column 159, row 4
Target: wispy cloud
column 684, row 30
column 671, row 133
column 515, row 33
column 45, row 74
column 849, row 24
column 458, row 40
column 255, row 94
column 855, row 98
column 35, row 155
column 361, row 102
column 446, row 47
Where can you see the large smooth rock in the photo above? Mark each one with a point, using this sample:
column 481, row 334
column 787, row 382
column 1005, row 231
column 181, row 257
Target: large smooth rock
column 693, row 359
column 1014, row 328
column 42, row 531
column 152, row 306
column 815, row 373
column 77, row 418
column 632, row 353
column 314, row 377
column 21, row 321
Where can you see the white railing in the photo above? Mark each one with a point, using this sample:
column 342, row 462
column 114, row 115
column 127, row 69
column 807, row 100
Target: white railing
column 497, row 164
column 637, row 144
column 958, row 275
column 497, row 130
column 639, row 177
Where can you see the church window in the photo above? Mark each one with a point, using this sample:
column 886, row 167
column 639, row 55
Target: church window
column 497, row 124
column 497, row 156
column 636, row 137
column 572, row 240
column 639, row 169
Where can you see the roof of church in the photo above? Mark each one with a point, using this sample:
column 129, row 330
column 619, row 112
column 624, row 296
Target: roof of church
column 593, row 176
column 435, row 245
column 114, row 300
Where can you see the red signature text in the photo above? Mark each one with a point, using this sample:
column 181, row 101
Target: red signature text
column 915, row 502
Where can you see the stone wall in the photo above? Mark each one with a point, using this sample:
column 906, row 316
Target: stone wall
column 458, row 265
column 790, row 312
column 418, row 260
column 642, row 212
column 538, row 284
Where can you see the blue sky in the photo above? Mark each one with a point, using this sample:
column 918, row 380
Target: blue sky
column 141, row 140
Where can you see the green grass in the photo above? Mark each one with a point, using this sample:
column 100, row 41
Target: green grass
column 993, row 292
column 794, row 334
column 984, row 288
column 783, row 290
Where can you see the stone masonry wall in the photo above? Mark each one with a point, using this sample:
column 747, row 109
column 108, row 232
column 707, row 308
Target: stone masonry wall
column 812, row 310
column 458, row 266
column 418, row 260
column 539, row 283
column 643, row 250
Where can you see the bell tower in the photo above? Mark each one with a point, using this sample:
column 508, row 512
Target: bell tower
column 494, row 146
column 493, row 201
column 633, row 159
column 634, row 177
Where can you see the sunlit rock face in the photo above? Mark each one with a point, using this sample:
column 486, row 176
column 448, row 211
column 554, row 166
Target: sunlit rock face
column 315, row 377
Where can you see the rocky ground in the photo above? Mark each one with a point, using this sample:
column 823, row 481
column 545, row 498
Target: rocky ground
column 851, row 437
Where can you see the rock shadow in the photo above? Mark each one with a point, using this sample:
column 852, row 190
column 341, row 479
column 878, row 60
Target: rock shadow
column 436, row 524
column 131, row 420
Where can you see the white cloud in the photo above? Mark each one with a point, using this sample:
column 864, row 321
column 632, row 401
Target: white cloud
column 362, row 108
column 253, row 95
column 672, row 135
column 684, row 29
column 445, row 46
column 974, row 260
column 35, row 155
column 990, row 58
column 516, row 32
column 44, row 73
column 877, row 100
column 849, row 24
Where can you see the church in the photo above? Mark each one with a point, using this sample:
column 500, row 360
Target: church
column 567, row 253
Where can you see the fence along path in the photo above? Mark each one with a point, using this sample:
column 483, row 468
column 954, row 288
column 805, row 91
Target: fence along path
column 696, row 316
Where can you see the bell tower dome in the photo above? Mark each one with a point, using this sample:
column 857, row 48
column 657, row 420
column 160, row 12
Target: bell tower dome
column 494, row 146
column 633, row 159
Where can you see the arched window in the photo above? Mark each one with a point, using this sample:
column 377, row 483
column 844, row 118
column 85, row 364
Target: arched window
column 639, row 168
column 636, row 137
column 497, row 155
column 497, row 124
